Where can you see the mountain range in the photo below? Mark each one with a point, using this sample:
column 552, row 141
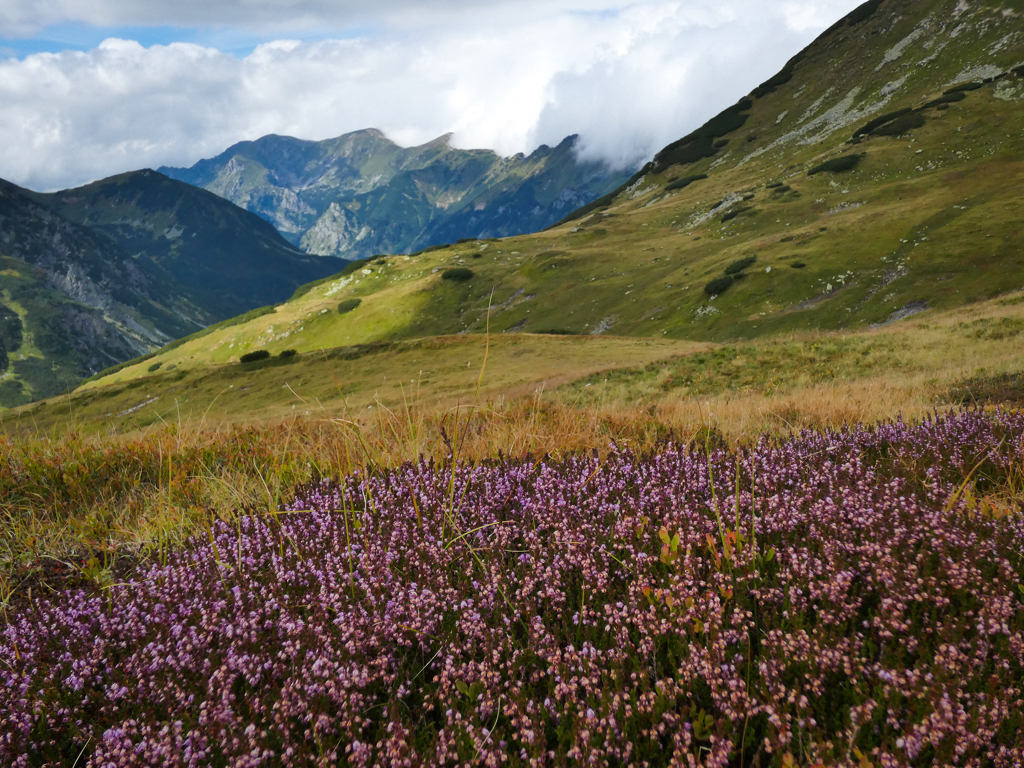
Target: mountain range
column 875, row 178
column 361, row 194
column 115, row 269
column 106, row 272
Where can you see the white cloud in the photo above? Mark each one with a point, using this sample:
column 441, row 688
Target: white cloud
column 504, row 75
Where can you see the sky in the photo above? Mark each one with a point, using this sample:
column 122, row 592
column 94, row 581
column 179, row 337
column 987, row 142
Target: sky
column 92, row 88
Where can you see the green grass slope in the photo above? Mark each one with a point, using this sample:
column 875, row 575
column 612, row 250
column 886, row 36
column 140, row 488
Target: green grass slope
column 874, row 179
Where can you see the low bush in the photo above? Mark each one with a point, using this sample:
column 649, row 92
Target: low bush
column 836, row 165
column 476, row 255
column 462, row 240
column 739, row 265
column 457, row 274
column 252, row 357
column 718, row 286
column 944, row 101
column 863, row 12
column 285, row 354
column 684, row 182
column 736, row 212
column 881, row 120
column 154, row 367
column 701, row 143
column 900, row 125
column 961, row 88
column 797, row 265
column 346, row 306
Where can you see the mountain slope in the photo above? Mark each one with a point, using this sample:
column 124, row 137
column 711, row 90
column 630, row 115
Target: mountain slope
column 224, row 259
column 877, row 177
column 361, row 194
column 73, row 302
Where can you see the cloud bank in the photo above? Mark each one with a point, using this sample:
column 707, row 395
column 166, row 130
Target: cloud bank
column 628, row 78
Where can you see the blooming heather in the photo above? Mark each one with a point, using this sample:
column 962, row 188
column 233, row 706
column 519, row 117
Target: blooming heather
column 846, row 598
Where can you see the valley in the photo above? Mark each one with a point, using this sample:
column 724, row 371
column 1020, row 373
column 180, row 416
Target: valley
column 724, row 466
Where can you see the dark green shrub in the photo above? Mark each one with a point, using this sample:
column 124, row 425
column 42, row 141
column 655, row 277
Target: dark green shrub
column 797, row 265
column 458, row 274
column 881, row 120
column 944, row 101
column 781, row 78
column 718, row 286
column 477, row 256
column 863, row 12
column 739, row 265
column 440, row 247
column 462, row 240
column 684, row 182
column 942, row 107
column 720, row 143
column 287, row 353
column 154, row 367
column 252, row 357
column 773, row 185
column 900, row 125
column 1018, row 71
column 961, row 88
column 558, row 332
column 701, row 143
column 736, row 212
column 836, row 165
column 348, row 305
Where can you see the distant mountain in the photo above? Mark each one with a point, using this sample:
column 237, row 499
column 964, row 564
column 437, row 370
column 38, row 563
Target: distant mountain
column 876, row 177
column 73, row 302
column 94, row 276
column 361, row 194
column 224, row 259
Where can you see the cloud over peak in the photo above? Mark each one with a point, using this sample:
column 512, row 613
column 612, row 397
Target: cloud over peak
column 629, row 78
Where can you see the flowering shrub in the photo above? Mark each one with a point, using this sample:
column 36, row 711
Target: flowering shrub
column 847, row 598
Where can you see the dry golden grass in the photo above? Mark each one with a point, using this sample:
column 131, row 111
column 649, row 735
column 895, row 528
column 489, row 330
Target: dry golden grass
column 90, row 489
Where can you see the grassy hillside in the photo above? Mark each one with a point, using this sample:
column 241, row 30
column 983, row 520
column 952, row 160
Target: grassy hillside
column 749, row 227
column 728, row 469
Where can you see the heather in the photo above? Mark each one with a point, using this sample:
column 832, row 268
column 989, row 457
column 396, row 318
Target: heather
column 845, row 597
